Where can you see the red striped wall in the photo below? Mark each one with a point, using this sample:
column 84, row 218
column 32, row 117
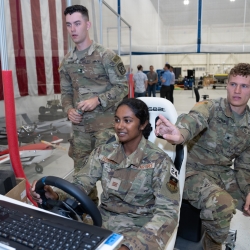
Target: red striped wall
column 19, row 50
column 38, row 43
column 38, row 85
column 54, row 46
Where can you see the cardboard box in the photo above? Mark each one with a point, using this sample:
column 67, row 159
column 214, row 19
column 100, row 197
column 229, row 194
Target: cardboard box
column 19, row 191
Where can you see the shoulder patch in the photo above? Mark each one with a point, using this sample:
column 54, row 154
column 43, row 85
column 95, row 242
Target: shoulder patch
column 116, row 59
column 121, row 68
column 172, row 185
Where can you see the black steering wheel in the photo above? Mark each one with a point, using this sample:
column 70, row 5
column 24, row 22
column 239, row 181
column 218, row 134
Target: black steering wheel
column 73, row 190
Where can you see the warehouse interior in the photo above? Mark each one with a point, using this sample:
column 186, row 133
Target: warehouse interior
column 206, row 36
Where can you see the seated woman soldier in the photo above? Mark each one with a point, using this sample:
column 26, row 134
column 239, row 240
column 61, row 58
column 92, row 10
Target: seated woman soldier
column 137, row 200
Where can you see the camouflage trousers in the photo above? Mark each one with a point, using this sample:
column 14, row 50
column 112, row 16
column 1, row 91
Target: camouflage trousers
column 216, row 204
column 127, row 226
column 121, row 224
column 82, row 144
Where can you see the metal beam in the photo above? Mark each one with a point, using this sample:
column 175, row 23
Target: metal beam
column 199, row 26
column 100, row 13
column 109, row 7
column 119, row 26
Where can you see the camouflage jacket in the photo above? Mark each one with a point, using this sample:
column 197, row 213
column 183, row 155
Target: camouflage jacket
column 215, row 139
column 99, row 73
column 135, row 190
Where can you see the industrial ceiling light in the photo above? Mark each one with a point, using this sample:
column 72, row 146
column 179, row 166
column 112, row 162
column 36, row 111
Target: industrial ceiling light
column 186, row 2
column 232, row 0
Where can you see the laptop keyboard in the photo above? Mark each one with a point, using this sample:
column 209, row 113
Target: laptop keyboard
column 25, row 228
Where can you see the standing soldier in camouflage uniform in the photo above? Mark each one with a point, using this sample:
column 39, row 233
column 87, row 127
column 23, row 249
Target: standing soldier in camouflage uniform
column 135, row 174
column 217, row 132
column 93, row 82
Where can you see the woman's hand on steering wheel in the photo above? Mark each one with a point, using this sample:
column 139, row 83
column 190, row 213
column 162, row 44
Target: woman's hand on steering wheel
column 49, row 193
column 42, row 192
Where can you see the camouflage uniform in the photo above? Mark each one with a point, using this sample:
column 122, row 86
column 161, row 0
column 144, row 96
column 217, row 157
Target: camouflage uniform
column 135, row 200
column 215, row 138
column 99, row 72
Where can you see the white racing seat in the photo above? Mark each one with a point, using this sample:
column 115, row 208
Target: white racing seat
column 157, row 106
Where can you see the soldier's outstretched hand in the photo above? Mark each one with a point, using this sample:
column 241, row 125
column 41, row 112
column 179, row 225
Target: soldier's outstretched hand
column 49, row 193
column 168, row 131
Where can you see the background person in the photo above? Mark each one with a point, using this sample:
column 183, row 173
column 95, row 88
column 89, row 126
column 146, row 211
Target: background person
column 165, row 82
column 171, row 69
column 186, row 83
column 152, row 81
column 217, row 132
column 93, row 82
column 141, row 206
column 140, row 82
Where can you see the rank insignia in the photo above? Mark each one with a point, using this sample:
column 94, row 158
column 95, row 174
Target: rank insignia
column 114, row 184
column 172, row 184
